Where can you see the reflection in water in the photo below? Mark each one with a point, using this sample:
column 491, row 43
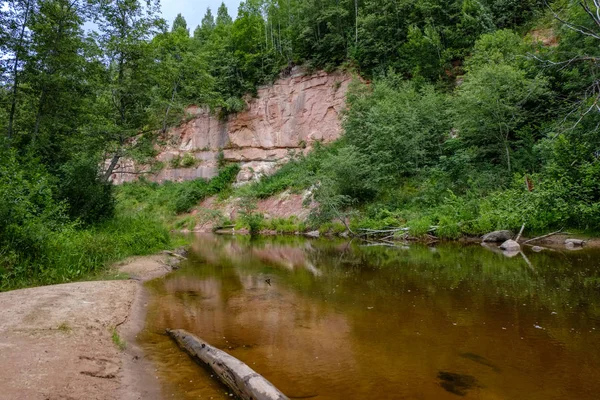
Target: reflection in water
column 339, row 321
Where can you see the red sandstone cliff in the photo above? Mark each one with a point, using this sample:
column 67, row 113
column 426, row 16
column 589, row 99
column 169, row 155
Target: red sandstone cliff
column 284, row 119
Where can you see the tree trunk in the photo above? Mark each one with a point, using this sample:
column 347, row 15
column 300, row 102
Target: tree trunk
column 241, row 379
column 173, row 93
column 112, row 166
column 15, row 72
column 508, row 157
column 38, row 117
column 356, row 20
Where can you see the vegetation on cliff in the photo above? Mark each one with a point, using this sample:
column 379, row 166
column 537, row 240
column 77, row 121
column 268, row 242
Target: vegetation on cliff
column 514, row 142
column 464, row 108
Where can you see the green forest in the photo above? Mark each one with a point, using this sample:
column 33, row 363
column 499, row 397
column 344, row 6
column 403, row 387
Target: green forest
column 466, row 115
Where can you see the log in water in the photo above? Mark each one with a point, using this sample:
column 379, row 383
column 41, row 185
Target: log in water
column 240, row 378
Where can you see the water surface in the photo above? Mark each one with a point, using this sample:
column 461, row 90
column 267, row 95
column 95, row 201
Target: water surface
column 339, row 320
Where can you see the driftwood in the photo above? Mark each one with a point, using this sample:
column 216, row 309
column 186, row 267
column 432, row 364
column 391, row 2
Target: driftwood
column 219, row 228
column 240, row 378
column 520, row 232
column 174, row 255
column 543, row 237
column 380, row 232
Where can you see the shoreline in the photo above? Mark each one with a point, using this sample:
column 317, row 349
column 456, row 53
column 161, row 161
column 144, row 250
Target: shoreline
column 61, row 341
column 555, row 242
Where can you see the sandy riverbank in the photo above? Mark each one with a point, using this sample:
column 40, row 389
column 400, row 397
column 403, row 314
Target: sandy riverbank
column 56, row 341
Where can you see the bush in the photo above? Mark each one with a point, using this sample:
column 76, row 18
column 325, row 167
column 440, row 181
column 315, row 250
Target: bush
column 70, row 253
column 28, row 210
column 40, row 245
column 249, row 217
column 88, row 195
column 188, row 160
column 189, row 194
column 398, row 128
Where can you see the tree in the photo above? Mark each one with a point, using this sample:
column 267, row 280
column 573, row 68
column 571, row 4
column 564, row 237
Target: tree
column 125, row 26
column 399, row 128
column 208, row 21
column 203, row 31
column 180, row 78
column 180, row 23
column 57, row 72
column 16, row 40
column 494, row 106
column 223, row 17
column 577, row 62
column 512, row 13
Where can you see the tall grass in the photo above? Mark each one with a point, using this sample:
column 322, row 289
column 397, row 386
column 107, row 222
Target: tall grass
column 71, row 254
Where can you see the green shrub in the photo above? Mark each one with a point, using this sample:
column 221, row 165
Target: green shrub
column 88, row 195
column 188, row 160
column 251, row 219
column 175, row 162
column 420, row 227
column 189, row 194
column 283, row 225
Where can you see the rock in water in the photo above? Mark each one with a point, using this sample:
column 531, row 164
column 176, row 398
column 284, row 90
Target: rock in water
column 458, row 384
column 510, row 245
column 313, row 234
column 498, row 237
column 574, row 242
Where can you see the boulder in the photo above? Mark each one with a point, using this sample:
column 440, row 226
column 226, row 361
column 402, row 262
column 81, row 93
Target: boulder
column 313, row 234
column 498, row 237
column 510, row 245
column 574, row 242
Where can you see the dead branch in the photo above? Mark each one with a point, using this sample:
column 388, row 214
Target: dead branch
column 543, row 237
column 520, row 233
column 174, row 255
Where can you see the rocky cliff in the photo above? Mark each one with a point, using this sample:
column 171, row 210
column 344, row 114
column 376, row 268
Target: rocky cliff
column 284, row 119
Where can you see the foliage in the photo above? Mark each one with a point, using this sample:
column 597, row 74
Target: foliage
column 460, row 112
column 249, row 217
column 396, row 129
column 171, row 198
column 495, row 109
column 89, row 197
column 38, row 244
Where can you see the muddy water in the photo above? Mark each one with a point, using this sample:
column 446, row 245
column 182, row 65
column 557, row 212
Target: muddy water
column 343, row 321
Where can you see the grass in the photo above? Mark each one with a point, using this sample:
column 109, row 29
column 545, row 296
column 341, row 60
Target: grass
column 65, row 327
column 118, row 341
column 73, row 254
column 170, row 199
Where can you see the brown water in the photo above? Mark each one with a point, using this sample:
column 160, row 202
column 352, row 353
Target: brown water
column 344, row 321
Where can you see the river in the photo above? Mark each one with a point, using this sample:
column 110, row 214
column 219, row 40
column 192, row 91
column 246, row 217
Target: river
column 327, row 319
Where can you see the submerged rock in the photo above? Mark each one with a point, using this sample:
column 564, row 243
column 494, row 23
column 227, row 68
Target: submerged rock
column 497, row 236
column 457, row 384
column 480, row 360
column 510, row 246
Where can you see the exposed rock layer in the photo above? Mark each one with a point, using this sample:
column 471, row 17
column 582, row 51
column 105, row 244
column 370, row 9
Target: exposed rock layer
column 284, row 119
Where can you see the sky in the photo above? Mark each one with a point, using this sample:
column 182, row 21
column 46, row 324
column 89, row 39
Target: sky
column 194, row 10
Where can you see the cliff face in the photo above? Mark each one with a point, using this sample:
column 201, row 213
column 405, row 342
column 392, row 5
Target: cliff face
column 284, row 119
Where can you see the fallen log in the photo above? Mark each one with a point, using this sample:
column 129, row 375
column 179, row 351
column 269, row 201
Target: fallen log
column 542, row 237
column 173, row 254
column 520, row 233
column 240, row 378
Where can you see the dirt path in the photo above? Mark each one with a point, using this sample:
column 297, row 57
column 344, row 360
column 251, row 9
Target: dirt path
column 56, row 341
